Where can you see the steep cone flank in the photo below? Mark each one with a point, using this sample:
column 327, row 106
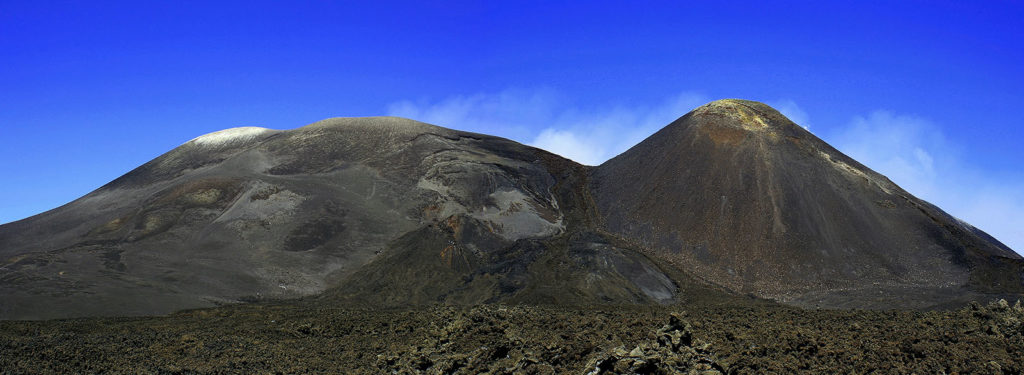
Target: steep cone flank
column 391, row 212
column 744, row 198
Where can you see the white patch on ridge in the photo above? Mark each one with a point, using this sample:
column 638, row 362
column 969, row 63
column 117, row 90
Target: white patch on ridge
column 226, row 136
column 963, row 224
column 838, row 164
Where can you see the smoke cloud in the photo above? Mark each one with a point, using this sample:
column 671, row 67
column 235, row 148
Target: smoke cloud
column 543, row 119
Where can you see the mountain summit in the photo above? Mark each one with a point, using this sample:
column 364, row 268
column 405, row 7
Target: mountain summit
column 732, row 198
column 742, row 197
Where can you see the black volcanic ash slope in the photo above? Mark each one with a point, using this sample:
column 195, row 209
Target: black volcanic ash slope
column 249, row 213
column 393, row 212
column 742, row 197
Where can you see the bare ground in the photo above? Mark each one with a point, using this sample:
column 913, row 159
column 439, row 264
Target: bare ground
column 710, row 338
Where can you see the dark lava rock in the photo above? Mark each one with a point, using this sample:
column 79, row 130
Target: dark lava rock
column 708, row 338
column 674, row 351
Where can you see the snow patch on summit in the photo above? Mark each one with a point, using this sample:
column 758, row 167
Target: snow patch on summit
column 226, row 136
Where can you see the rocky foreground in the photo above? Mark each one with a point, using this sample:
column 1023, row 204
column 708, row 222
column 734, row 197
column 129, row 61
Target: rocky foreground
column 708, row 339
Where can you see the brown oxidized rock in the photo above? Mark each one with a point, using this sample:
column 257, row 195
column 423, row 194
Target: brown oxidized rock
column 737, row 194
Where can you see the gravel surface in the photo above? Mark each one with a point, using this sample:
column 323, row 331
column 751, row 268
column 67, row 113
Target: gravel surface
column 713, row 338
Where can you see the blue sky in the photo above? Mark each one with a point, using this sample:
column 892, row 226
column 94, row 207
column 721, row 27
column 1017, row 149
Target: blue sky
column 928, row 93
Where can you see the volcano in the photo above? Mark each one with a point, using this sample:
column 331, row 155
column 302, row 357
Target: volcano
column 740, row 196
column 731, row 199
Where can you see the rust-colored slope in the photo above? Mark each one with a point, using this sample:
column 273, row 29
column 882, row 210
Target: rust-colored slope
column 744, row 198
